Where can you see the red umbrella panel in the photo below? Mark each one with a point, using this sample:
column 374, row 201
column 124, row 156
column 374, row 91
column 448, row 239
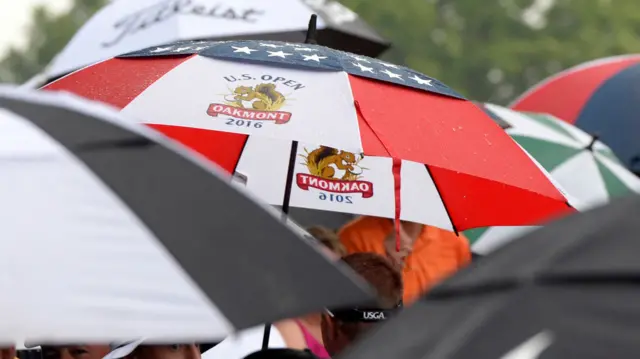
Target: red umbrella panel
column 228, row 99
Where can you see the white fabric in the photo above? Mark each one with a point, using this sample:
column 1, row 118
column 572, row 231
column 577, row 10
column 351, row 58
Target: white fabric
column 525, row 126
column 581, row 176
column 332, row 121
column 265, row 162
column 98, row 40
column 622, row 173
column 83, row 280
column 496, row 237
column 239, row 345
column 123, row 350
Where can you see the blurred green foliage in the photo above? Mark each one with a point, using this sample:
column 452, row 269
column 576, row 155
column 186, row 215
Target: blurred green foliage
column 493, row 50
column 47, row 34
column 490, row 50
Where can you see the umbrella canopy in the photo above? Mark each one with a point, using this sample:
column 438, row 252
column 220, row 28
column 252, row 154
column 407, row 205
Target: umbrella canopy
column 600, row 98
column 125, row 26
column 565, row 291
column 265, row 110
column 581, row 164
column 130, row 235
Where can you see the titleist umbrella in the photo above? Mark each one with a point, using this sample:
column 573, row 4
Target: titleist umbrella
column 125, row 26
column 568, row 290
column 131, row 235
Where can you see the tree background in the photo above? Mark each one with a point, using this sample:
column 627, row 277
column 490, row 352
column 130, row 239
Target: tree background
column 489, row 50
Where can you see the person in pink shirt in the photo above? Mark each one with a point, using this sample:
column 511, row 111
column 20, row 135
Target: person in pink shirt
column 305, row 332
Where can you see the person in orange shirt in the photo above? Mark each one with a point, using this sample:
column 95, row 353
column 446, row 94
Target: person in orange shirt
column 427, row 254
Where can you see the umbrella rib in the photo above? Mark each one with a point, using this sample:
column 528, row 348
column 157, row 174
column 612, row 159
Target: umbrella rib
column 375, row 133
column 132, row 142
column 244, row 145
column 446, row 208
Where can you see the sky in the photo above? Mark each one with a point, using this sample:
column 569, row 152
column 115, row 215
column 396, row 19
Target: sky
column 15, row 17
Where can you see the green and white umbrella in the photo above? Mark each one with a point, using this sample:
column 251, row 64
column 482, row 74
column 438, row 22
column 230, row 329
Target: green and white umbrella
column 583, row 167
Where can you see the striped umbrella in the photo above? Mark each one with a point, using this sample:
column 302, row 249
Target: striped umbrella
column 581, row 164
column 130, row 235
column 599, row 96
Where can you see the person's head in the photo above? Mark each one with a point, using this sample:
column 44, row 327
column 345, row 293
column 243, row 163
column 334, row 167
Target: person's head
column 341, row 327
column 7, row 352
column 137, row 350
column 281, row 354
column 329, row 239
column 76, row 351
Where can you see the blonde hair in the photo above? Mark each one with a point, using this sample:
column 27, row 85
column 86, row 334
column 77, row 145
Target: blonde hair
column 328, row 238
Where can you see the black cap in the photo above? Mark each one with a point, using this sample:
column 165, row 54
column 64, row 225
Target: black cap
column 281, row 353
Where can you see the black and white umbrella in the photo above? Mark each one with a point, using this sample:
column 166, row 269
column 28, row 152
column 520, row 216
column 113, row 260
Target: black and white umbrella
column 130, row 235
column 569, row 290
column 126, row 26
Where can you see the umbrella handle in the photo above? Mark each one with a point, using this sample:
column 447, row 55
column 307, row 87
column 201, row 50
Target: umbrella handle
column 311, row 39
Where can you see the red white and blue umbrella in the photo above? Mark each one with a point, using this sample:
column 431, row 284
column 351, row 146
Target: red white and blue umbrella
column 306, row 126
column 600, row 97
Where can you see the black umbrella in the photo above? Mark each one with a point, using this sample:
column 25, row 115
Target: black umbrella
column 309, row 217
column 569, row 290
column 131, row 235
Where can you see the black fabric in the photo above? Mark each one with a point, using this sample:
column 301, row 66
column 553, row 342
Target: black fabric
column 576, row 282
column 243, row 258
column 365, row 314
column 29, row 354
column 585, row 321
column 309, row 217
column 281, row 354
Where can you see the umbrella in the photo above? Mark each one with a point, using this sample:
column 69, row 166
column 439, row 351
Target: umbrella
column 306, row 126
column 581, row 164
column 566, row 291
column 125, row 26
column 310, row 217
column 599, row 97
column 130, row 235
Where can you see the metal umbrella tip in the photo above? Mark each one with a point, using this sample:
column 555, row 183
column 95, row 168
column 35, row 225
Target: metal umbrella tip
column 312, row 30
column 594, row 138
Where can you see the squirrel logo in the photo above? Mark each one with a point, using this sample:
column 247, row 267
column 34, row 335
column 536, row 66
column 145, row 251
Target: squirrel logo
column 263, row 97
column 324, row 163
column 320, row 161
column 259, row 103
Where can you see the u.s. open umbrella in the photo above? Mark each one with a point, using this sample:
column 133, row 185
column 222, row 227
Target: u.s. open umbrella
column 110, row 231
column 306, row 126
